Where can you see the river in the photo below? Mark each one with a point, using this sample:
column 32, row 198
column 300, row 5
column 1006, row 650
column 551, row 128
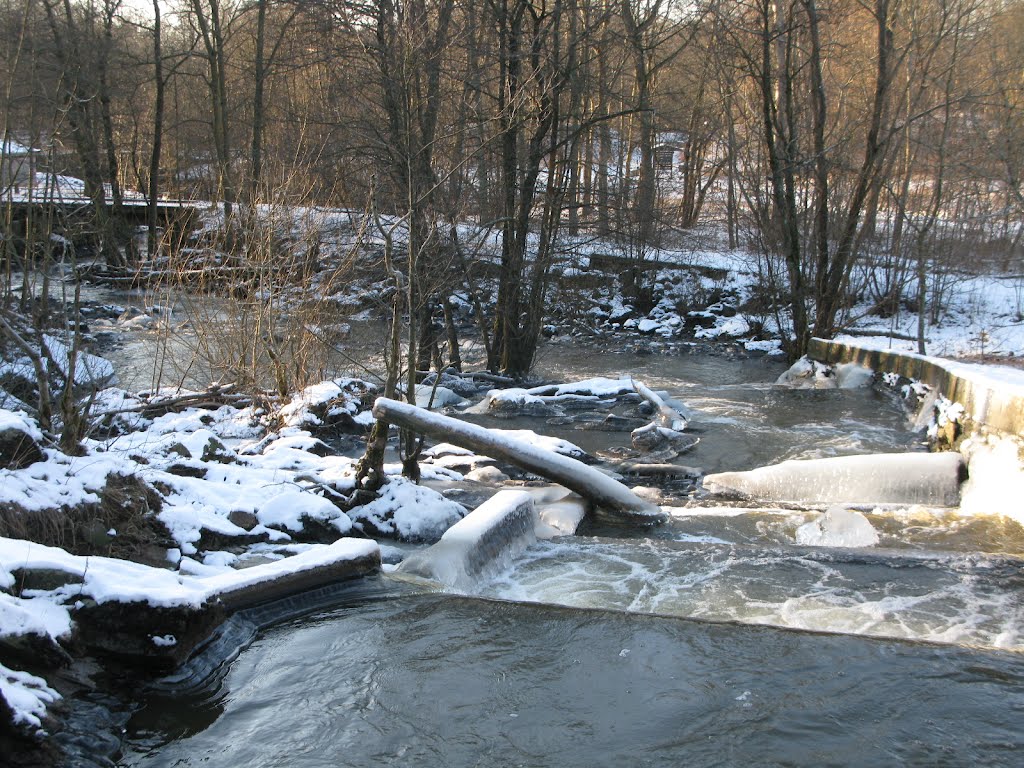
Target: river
column 711, row 640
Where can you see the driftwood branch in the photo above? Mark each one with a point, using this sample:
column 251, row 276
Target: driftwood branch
column 590, row 483
column 211, row 399
column 667, row 417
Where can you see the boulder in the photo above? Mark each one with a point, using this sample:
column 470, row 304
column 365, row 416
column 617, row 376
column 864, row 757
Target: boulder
column 838, row 527
column 509, row 403
column 656, row 438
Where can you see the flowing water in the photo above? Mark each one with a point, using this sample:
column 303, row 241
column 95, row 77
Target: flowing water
column 714, row 639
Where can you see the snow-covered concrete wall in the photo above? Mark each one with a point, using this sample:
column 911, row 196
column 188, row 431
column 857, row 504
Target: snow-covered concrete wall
column 992, row 395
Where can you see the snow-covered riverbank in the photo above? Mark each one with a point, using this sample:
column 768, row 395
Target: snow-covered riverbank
column 212, row 499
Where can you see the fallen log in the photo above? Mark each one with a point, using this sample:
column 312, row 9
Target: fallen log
column 668, row 417
column 211, row 399
column 590, row 483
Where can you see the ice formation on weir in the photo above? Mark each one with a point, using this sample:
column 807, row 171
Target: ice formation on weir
column 485, row 540
column 996, row 482
column 884, row 478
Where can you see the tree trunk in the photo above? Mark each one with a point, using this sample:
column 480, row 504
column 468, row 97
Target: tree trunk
column 588, row 482
column 260, row 76
column 158, row 133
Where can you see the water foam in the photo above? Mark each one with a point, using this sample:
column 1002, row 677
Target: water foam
column 955, row 600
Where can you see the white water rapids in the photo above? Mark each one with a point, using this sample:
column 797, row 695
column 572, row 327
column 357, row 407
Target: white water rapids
column 911, row 571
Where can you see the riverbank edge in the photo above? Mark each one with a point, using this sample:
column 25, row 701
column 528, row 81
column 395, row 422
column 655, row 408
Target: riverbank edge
column 130, row 651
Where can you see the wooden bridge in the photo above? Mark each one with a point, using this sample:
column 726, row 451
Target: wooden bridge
column 135, row 211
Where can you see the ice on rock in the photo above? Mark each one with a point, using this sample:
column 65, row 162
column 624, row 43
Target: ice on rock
column 439, row 397
column 810, row 374
column 838, row 527
column 485, row 540
column 514, row 401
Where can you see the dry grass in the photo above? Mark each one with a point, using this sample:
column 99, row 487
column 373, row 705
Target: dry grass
column 127, row 506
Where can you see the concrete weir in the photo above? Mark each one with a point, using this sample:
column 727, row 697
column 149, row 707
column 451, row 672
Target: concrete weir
column 992, row 396
column 190, row 608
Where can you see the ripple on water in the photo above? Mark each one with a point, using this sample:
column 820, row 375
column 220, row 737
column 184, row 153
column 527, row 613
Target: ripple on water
column 440, row 680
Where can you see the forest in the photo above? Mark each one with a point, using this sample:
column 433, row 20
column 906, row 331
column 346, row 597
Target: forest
column 248, row 246
column 860, row 149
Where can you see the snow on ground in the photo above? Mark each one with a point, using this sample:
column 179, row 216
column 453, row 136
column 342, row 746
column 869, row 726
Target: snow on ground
column 983, row 315
column 209, row 467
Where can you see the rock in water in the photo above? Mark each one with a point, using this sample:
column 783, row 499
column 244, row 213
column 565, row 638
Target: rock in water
column 487, row 475
column 508, row 403
column 884, row 478
column 655, row 438
column 808, row 374
column 440, row 397
column 838, row 527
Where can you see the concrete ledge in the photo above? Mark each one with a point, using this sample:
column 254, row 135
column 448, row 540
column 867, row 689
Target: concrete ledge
column 155, row 616
column 257, row 592
column 992, row 395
